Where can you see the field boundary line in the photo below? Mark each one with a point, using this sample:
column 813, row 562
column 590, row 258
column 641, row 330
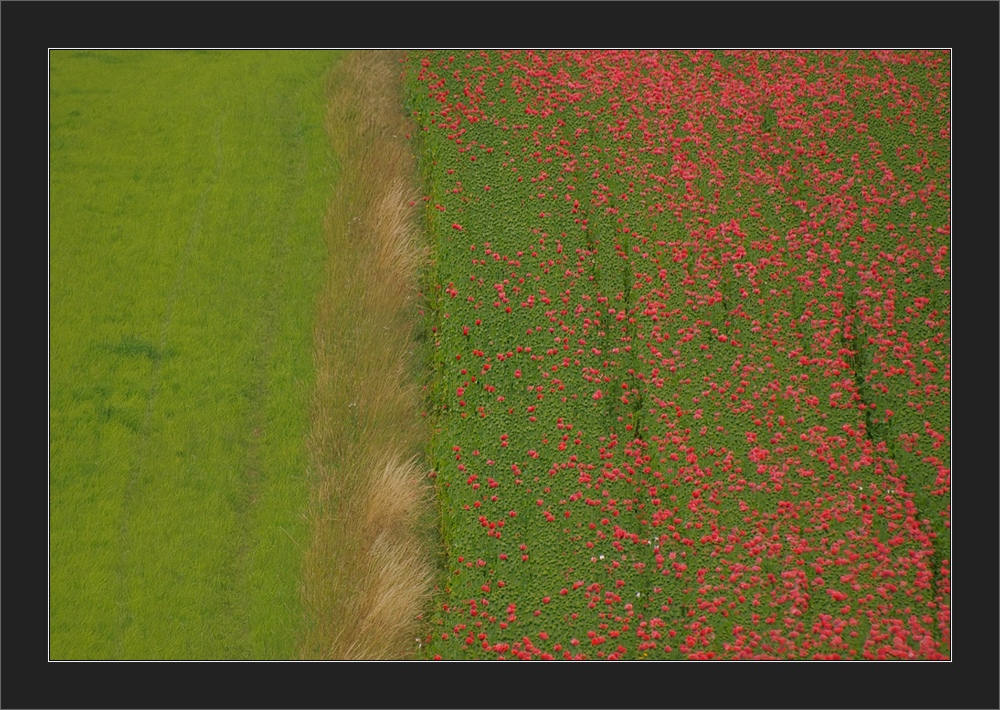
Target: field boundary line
column 366, row 576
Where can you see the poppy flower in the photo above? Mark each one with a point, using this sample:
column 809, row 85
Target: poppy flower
column 773, row 259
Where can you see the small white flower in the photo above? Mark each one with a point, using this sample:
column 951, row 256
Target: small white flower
column 602, row 557
column 638, row 594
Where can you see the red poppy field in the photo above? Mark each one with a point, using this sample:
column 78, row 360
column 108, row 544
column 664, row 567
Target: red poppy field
column 690, row 316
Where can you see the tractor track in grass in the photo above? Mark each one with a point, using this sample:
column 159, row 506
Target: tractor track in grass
column 134, row 484
column 254, row 468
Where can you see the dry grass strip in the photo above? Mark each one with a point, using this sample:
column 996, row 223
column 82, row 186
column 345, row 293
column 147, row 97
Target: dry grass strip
column 366, row 575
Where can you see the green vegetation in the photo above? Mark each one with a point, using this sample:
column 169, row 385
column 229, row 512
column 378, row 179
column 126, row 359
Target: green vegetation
column 188, row 192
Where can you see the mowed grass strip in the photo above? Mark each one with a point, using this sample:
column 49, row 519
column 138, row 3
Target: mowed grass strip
column 188, row 192
column 367, row 574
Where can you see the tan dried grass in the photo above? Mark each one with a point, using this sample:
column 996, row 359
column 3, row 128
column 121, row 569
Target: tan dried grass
column 366, row 575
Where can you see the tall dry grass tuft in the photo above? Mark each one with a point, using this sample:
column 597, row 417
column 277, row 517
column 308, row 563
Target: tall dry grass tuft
column 366, row 574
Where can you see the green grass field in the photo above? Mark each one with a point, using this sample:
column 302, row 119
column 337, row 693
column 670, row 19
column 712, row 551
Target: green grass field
column 188, row 191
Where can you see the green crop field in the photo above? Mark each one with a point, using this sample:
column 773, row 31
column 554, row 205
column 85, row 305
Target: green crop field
column 188, row 191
